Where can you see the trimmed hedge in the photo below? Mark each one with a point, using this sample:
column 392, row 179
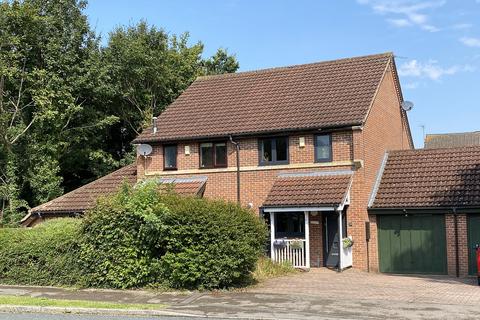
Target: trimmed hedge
column 209, row 244
column 46, row 255
column 121, row 239
column 141, row 237
column 136, row 238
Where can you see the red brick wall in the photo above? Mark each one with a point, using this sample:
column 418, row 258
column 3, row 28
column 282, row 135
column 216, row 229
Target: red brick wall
column 462, row 244
column 316, row 240
column 384, row 130
column 341, row 145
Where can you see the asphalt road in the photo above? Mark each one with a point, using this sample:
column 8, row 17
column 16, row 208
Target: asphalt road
column 40, row 316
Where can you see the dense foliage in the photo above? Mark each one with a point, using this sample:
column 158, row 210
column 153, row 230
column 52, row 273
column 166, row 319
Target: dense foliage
column 209, row 244
column 140, row 237
column 44, row 255
column 69, row 107
column 120, row 246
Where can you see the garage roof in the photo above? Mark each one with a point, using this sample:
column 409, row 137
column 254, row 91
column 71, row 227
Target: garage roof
column 429, row 178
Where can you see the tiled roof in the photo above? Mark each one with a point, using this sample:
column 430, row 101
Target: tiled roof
column 184, row 186
column 311, row 96
column 429, row 178
column 452, row 140
column 84, row 198
column 310, row 189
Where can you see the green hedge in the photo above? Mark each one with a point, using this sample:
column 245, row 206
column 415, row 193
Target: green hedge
column 136, row 238
column 46, row 255
column 209, row 244
column 120, row 239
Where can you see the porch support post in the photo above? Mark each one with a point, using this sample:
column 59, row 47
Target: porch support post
column 340, row 240
column 272, row 235
column 307, row 240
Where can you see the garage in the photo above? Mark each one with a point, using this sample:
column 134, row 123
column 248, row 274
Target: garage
column 473, row 240
column 412, row 243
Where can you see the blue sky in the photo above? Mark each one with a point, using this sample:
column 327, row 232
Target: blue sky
column 436, row 42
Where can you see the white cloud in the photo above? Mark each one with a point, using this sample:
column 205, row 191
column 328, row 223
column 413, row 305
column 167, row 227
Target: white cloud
column 470, row 42
column 406, row 12
column 399, row 22
column 430, row 70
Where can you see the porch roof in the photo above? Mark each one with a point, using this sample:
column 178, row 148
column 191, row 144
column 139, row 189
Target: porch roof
column 313, row 189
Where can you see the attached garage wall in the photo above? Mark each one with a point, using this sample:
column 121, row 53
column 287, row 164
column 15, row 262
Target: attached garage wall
column 473, row 239
column 412, row 244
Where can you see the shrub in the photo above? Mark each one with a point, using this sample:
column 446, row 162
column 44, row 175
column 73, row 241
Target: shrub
column 44, row 255
column 266, row 269
column 120, row 245
column 209, row 244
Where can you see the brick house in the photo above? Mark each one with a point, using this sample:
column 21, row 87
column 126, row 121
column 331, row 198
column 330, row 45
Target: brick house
column 300, row 145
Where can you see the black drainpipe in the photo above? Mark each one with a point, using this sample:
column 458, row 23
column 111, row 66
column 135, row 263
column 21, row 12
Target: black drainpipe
column 457, row 259
column 237, row 148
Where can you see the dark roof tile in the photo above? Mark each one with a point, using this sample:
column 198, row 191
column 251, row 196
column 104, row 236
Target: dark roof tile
column 318, row 95
column 448, row 177
column 318, row 189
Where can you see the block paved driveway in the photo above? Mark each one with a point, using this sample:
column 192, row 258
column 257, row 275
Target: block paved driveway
column 373, row 286
column 326, row 294
column 317, row 294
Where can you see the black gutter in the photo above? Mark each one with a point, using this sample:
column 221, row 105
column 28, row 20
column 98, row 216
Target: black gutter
column 237, row 148
column 250, row 134
column 420, row 210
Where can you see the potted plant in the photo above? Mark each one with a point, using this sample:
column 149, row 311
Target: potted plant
column 296, row 244
column 347, row 242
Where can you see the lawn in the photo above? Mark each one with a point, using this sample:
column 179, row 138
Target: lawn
column 46, row 302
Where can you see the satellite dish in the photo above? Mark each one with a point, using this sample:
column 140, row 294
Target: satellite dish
column 407, row 105
column 144, row 149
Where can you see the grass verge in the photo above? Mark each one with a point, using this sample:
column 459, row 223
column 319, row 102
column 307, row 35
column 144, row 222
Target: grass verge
column 47, row 302
column 267, row 269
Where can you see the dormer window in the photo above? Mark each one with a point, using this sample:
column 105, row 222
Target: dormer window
column 273, row 150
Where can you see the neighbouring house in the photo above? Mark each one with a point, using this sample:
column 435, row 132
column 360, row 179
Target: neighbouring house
column 452, row 140
column 300, row 145
column 426, row 208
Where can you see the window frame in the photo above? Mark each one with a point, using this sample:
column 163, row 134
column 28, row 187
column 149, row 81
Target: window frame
column 290, row 234
column 273, row 140
column 317, row 160
column 164, row 157
column 214, row 154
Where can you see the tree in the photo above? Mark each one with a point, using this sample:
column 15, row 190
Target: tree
column 70, row 108
column 50, row 71
column 149, row 69
column 221, row 63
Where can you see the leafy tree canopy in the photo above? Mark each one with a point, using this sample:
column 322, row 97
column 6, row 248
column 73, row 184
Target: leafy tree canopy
column 69, row 107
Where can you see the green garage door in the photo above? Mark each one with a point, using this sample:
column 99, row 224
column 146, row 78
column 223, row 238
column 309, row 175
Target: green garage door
column 473, row 239
column 412, row 244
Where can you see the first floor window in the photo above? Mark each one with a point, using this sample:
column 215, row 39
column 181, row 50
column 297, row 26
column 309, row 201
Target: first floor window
column 323, row 148
column 273, row 150
column 213, row 155
column 170, row 157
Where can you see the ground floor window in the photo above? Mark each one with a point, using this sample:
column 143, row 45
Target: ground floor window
column 290, row 225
